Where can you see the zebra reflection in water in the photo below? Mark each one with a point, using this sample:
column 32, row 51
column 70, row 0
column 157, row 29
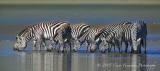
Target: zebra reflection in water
column 44, row 61
column 49, row 61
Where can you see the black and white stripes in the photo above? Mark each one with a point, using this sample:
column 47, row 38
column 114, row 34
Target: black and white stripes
column 102, row 37
column 79, row 33
column 133, row 34
column 39, row 33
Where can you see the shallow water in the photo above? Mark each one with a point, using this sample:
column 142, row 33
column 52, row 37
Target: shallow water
column 50, row 61
column 29, row 60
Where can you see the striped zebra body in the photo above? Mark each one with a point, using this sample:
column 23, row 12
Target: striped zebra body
column 113, row 36
column 108, row 30
column 79, row 35
column 93, row 37
column 39, row 33
column 124, row 33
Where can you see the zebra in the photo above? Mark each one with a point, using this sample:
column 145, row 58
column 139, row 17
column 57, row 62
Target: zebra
column 87, row 33
column 93, row 38
column 132, row 31
column 78, row 35
column 91, row 35
column 139, row 33
column 122, row 33
column 41, row 32
column 138, row 36
column 116, row 36
column 109, row 39
column 106, row 32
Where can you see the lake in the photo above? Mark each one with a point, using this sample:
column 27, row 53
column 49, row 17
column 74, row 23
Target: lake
column 13, row 18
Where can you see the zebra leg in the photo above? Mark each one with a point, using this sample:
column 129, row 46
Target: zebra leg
column 69, row 46
column 61, row 47
column 145, row 44
column 72, row 45
column 139, row 50
column 126, row 44
column 60, row 41
column 88, row 47
column 132, row 49
column 49, row 47
column 119, row 46
column 76, row 46
column 61, row 44
column 38, row 44
column 114, row 48
column 34, row 45
column 102, row 47
column 103, row 50
column 109, row 48
column 44, row 44
column 56, row 45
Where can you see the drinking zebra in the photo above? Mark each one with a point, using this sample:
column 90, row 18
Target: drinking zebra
column 124, row 33
column 87, row 34
column 79, row 35
column 108, row 29
column 41, row 32
column 139, row 32
column 91, row 36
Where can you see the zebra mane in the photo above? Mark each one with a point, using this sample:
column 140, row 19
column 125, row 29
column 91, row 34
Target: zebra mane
column 24, row 30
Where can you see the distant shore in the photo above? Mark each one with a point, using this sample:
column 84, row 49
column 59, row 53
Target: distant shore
column 114, row 2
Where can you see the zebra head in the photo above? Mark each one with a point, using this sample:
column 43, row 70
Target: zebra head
column 137, row 45
column 22, row 39
column 93, row 47
column 20, row 43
